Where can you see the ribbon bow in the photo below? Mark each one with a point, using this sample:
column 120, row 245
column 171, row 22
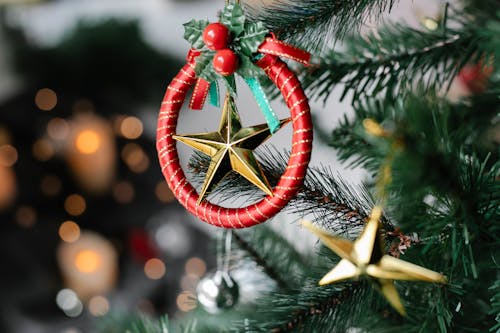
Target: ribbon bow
column 269, row 51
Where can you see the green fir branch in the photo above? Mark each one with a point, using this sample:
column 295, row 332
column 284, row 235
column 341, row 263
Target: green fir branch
column 445, row 151
column 394, row 59
column 495, row 305
column 124, row 323
column 311, row 23
column 491, row 38
column 148, row 326
column 444, row 187
column 313, row 310
column 276, row 256
column 333, row 203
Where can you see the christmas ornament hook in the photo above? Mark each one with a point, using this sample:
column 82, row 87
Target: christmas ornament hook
column 225, row 237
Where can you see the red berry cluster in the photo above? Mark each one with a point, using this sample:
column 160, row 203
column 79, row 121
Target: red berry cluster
column 217, row 37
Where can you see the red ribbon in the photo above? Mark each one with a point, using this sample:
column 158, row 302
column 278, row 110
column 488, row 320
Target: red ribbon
column 272, row 48
column 200, row 93
column 192, row 54
column 201, row 88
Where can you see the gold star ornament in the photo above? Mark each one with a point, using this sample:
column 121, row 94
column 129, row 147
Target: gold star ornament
column 365, row 257
column 231, row 149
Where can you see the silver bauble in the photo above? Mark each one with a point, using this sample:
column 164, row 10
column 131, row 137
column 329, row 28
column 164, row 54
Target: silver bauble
column 217, row 291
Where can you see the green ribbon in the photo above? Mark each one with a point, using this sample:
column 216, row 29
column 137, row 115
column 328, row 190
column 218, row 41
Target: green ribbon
column 213, row 94
column 257, row 91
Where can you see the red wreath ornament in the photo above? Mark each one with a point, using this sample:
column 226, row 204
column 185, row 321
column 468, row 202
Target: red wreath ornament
column 289, row 183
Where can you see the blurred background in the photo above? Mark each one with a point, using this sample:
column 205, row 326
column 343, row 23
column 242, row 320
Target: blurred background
column 88, row 226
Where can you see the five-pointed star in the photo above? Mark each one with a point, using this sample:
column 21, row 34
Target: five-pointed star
column 231, row 148
column 365, row 256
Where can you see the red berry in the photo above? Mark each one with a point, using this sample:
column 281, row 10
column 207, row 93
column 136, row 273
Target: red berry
column 225, row 62
column 216, row 36
column 475, row 77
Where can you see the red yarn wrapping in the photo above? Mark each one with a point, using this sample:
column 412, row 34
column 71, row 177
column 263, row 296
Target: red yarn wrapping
column 290, row 182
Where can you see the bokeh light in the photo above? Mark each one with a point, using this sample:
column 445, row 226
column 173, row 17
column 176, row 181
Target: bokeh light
column 173, row 237
column 69, row 302
column 123, row 192
column 46, row 99
column 8, row 155
column 89, row 266
column 58, row 129
column 88, row 142
column 43, row 150
column 26, row 216
column 51, row 185
column 98, row 306
column 154, row 269
column 135, row 157
column 75, row 205
column 69, row 232
column 163, row 192
column 186, row 301
column 131, row 127
column 87, row 261
column 8, row 186
column 195, row 266
column 430, row 23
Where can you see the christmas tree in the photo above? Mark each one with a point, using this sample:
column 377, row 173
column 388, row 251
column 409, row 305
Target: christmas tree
column 413, row 249
column 431, row 198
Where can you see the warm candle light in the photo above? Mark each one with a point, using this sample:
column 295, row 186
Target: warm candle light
column 87, row 261
column 88, row 142
column 89, row 265
column 91, row 153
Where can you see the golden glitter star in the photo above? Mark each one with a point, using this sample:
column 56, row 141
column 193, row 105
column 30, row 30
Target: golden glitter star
column 231, row 149
column 365, row 257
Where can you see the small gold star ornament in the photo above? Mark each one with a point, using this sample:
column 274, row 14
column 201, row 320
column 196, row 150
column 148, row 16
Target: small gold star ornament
column 231, row 148
column 365, row 257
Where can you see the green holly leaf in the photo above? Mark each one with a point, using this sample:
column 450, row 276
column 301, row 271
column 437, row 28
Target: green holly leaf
column 204, row 68
column 233, row 18
column 247, row 69
column 209, row 74
column 254, row 35
column 230, row 84
column 193, row 32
